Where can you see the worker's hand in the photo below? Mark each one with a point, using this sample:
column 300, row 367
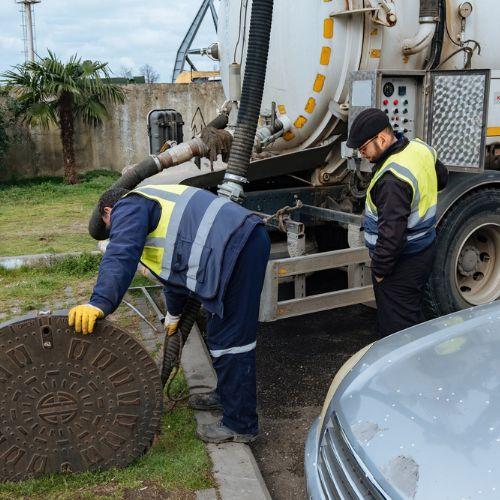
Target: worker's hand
column 83, row 317
column 171, row 323
column 379, row 279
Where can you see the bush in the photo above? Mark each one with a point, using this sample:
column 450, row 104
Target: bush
column 9, row 115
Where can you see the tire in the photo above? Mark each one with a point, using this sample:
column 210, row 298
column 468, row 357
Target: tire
column 466, row 271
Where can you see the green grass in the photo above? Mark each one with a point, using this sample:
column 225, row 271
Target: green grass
column 178, row 462
column 64, row 284
column 47, row 216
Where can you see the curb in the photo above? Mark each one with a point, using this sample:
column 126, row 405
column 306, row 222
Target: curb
column 234, row 466
column 39, row 258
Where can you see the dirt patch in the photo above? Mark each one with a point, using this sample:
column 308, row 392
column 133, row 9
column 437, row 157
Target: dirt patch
column 296, row 361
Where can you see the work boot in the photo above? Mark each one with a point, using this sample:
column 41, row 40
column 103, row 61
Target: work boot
column 219, row 433
column 205, row 401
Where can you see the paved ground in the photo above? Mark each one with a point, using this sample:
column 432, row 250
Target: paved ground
column 296, row 361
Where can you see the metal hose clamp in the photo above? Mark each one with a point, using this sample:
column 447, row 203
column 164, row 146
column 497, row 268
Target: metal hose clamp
column 157, row 162
column 236, row 178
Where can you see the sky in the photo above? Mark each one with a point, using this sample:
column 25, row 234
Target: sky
column 124, row 33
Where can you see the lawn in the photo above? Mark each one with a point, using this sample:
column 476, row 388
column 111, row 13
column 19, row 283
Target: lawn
column 47, row 216
column 177, row 465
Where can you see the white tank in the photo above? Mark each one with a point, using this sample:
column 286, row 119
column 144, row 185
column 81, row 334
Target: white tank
column 315, row 44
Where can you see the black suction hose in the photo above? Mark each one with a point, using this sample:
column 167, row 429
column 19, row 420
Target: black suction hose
column 128, row 180
column 173, row 345
column 251, row 96
column 241, row 148
column 437, row 41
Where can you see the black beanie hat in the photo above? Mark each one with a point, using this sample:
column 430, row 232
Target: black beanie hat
column 366, row 125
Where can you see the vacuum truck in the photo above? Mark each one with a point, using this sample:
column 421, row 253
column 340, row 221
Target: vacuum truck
column 433, row 66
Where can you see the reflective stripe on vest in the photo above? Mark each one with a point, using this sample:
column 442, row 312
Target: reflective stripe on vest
column 414, row 165
column 158, row 253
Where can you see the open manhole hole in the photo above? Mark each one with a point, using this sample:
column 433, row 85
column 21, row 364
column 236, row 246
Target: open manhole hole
column 70, row 403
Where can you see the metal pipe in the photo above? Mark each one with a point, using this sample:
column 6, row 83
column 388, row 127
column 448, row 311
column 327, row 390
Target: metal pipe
column 428, row 19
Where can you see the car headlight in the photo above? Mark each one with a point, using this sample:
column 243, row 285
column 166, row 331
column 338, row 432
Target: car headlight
column 340, row 375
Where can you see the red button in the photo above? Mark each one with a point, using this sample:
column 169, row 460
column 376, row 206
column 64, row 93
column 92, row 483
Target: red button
column 386, row 102
column 396, row 102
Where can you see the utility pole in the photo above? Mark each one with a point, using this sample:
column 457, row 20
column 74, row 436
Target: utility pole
column 29, row 45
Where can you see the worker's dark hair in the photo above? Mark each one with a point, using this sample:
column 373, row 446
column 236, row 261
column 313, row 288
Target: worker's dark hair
column 109, row 198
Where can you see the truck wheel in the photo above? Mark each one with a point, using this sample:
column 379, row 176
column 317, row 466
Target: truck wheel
column 467, row 267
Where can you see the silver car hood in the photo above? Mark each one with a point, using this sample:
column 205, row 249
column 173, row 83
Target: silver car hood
column 421, row 409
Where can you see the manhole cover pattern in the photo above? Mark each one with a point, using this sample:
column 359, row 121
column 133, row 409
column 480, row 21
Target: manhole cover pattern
column 70, row 403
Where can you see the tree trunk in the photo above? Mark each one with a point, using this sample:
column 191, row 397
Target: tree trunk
column 67, row 127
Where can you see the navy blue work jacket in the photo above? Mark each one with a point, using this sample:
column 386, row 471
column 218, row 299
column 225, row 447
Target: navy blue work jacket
column 132, row 219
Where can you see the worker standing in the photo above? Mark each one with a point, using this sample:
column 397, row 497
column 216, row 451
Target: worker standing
column 196, row 244
column 400, row 217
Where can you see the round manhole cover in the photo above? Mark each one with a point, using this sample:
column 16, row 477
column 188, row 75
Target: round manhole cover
column 70, row 403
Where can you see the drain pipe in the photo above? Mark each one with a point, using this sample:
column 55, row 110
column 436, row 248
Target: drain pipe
column 251, row 99
column 428, row 19
column 152, row 165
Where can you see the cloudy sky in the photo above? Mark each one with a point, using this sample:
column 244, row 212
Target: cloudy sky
column 125, row 33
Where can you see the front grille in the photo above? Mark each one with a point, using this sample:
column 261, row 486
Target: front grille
column 340, row 474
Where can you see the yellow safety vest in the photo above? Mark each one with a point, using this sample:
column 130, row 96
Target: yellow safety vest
column 415, row 165
column 187, row 247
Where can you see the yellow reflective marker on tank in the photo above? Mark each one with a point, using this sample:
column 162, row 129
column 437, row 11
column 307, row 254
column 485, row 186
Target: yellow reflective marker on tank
column 300, row 121
column 326, row 52
column 492, row 131
column 319, row 82
column 288, row 136
column 375, row 54
column 282, row 109
column 328, row 28
column 310, row 105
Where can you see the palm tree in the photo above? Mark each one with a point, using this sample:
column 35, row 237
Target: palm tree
column 52, row 92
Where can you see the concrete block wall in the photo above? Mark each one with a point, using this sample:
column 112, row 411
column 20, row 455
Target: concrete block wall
column 122, row 139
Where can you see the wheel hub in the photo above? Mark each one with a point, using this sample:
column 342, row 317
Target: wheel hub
column 478, row 265
column 468, row 260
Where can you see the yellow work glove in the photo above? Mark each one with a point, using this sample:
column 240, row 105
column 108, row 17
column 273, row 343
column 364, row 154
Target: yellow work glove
column 171, row 323
column 83, row 317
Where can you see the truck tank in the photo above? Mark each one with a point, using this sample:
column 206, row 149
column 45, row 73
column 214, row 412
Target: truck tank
column 316, row 44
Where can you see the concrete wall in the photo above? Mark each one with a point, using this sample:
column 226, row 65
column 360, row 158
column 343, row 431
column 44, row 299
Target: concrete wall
column 121, row 140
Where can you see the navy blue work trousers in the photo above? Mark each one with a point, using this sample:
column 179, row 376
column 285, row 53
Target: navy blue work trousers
column 399, row 295
column 232, row 339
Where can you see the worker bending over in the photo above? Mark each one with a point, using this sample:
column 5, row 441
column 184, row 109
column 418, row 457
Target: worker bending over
column 400, row 217
column 196, row 244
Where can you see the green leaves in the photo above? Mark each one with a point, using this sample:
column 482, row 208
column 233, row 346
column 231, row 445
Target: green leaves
column 42, row 88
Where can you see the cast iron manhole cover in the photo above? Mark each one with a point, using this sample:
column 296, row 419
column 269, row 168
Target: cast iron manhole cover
column 69, row 402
